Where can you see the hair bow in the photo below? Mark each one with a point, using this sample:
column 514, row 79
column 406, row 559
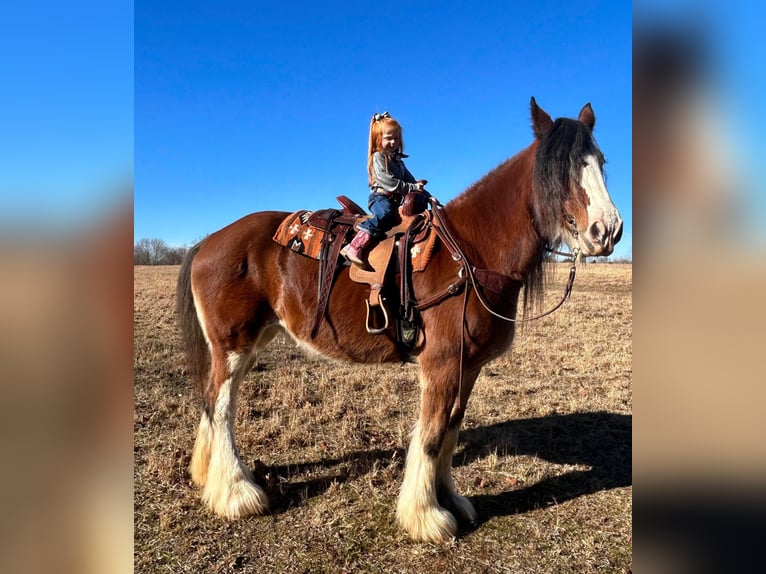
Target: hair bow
column 378, row 117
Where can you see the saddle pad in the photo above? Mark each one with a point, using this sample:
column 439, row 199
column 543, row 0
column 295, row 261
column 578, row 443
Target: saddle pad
column 425, row 241
column 299, row 236
column 421, row 252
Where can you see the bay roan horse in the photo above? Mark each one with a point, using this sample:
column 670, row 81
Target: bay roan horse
column 237, row 289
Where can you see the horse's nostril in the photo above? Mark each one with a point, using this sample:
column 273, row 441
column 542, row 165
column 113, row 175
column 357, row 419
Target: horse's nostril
column 597, row 232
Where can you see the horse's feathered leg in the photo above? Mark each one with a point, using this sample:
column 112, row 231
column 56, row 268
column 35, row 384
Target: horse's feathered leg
column 229, row 489
column 418, row 511
column 427, row 478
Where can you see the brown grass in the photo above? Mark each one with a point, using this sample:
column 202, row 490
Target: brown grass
column 545, row 455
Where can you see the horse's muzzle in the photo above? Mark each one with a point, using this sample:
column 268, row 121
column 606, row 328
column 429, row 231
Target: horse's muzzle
column 601, row 238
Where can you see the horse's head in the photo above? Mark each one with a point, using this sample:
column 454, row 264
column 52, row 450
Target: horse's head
column 571, row 202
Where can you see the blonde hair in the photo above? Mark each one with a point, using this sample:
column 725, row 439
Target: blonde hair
column 378, row 124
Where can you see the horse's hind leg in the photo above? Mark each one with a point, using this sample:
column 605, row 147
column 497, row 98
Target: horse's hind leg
column 200, row 461
column 228, row 486
column 427, row 477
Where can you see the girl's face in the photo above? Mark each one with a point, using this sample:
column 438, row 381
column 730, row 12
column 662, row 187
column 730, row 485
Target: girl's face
column 389, row 140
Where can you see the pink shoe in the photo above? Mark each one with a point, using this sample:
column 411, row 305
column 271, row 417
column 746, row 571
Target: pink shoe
column 357, row 250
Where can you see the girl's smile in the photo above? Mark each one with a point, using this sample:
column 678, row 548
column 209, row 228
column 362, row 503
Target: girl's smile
column 390, row 139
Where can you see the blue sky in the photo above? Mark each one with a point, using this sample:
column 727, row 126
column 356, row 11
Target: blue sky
column 250, row 106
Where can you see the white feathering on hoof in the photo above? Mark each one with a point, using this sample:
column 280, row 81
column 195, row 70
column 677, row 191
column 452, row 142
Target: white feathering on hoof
column 418, row 510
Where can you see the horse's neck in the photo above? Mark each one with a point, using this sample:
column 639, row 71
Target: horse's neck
column 493, row 218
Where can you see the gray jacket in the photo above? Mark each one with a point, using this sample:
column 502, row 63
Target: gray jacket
column 391, row 176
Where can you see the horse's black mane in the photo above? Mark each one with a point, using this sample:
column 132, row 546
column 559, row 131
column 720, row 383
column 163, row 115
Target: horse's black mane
column 560, row 157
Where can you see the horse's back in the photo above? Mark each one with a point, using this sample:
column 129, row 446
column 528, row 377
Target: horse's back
column 253, row 230
column 234, row 247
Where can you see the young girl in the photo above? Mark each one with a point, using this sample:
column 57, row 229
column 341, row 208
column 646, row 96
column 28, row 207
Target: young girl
column 389, row 180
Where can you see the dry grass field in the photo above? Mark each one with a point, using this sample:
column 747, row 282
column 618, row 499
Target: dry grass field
column 545, row 454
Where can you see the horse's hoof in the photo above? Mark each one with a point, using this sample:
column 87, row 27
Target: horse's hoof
column 463, row 509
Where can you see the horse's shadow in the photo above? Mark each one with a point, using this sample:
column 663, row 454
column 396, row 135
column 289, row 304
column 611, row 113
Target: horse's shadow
column 598, row 440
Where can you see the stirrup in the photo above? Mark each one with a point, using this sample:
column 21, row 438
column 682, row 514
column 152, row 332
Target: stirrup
column 373, row 330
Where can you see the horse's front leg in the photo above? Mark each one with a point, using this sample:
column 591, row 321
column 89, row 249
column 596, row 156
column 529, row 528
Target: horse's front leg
column 427, row 473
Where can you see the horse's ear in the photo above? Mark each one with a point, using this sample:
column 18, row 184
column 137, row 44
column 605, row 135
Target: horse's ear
column 587, row 116
column 541, row 121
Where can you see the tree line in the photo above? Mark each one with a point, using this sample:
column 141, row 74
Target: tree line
column 157, row 252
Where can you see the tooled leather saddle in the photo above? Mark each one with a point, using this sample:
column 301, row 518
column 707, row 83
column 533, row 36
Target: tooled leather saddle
column 322, row 234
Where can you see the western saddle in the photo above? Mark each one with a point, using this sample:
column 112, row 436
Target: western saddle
column 322, row 234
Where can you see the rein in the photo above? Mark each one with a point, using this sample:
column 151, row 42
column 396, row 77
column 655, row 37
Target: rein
column 468, row 273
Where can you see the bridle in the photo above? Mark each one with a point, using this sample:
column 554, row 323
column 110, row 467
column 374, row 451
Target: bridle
column 468, row 273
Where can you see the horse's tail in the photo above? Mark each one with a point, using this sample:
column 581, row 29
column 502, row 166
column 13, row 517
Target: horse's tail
column 194, row 343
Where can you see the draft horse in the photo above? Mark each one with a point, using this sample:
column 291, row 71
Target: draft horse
column 237, row 289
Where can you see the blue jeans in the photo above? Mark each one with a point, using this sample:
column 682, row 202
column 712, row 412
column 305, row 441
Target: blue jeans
column 385, row 214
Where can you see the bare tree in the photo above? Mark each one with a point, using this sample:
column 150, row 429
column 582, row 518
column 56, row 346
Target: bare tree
column 142, row 252
column 156, row 252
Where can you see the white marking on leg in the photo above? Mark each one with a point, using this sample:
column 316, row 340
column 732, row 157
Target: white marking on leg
column 201, row 455
column 230, row 490
column 418, row 510
column 198, row 468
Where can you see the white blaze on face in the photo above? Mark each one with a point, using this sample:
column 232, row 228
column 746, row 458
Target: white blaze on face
column 604, row 220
